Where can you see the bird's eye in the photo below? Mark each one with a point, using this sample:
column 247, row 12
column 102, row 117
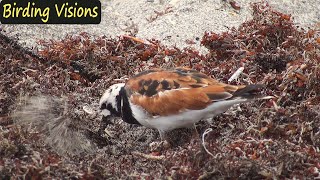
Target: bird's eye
column 109, row 107
column 103, row 106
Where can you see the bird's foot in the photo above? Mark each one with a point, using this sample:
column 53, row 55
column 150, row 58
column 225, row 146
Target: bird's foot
column 159, row 146
column 162, row 145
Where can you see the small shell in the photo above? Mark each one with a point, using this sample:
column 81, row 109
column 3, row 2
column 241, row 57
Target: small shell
column 236, row 74
column 88, row 110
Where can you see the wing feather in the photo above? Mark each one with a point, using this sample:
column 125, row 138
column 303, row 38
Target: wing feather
column 166, row 92
column 153, row 81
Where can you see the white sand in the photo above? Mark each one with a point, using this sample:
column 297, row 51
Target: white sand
column 189, row 19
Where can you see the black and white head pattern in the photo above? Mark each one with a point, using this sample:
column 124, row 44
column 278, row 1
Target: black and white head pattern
column 110, row 99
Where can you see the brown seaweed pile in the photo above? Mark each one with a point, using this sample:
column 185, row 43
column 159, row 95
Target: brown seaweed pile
column 279, row 138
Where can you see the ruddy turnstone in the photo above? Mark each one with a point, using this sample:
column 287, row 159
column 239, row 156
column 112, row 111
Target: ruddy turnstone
column 170, row 99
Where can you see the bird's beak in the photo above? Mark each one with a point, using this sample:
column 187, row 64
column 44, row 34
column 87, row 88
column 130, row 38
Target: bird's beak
column 105, row 121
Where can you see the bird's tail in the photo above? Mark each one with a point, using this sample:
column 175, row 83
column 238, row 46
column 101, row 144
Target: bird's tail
column 250, row 92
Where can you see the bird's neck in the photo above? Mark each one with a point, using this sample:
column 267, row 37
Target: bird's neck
column 124, row 105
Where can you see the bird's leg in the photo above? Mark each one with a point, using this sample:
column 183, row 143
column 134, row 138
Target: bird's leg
column 141, row 136
column 195, row 132
column 163, row 144
column 195, row 129
column 163, row 136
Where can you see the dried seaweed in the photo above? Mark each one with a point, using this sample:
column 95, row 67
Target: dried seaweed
column 265, row 139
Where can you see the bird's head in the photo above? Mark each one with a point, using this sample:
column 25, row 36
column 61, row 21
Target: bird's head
column 110, row 102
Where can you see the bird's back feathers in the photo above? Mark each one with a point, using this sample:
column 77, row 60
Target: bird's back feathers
column 168, row 92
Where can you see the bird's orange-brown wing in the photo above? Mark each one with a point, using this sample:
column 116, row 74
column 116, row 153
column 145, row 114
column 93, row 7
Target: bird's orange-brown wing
column 154, row 81
column 167, row 92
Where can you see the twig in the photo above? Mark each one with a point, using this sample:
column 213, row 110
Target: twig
column 207, row 131
column 159, row 13
column 135, row 39
column 122, row 79
column 148, row 156
column 276, row 107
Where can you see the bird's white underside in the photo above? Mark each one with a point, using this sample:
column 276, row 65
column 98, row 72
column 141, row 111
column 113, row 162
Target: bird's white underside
column 183, row 119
